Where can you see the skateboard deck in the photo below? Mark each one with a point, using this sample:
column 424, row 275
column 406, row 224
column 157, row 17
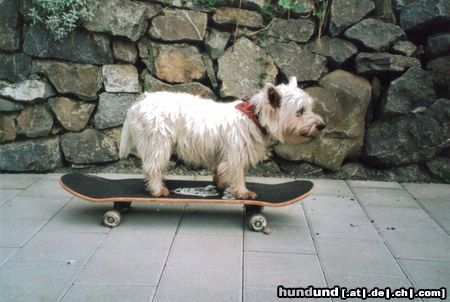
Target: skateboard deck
column 99, row 189
column 122, row 192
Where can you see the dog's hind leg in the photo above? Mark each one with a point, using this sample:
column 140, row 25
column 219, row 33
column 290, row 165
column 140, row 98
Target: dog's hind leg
column 155, row 154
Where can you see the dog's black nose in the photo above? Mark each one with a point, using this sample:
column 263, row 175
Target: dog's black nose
column 320, row 127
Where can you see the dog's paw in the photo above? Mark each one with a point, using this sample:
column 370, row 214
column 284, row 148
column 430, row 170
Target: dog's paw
column 162, row 192
column 246, row 195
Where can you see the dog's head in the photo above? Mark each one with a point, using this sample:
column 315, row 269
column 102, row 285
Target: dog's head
column 286, row 113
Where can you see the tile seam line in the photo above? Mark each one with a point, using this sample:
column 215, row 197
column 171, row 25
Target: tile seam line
column 425, row 209
column 388, row 247
column 83, row 266
column 244, row 220
column 168, row 253
column 47, row 221
column 315, row 245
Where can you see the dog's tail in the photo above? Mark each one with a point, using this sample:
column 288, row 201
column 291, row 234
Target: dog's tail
column 125, row 141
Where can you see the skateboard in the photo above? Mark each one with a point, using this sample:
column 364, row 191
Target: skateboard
column 122, row 192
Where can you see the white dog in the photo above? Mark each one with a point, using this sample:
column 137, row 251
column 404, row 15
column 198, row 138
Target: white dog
column 225, row 137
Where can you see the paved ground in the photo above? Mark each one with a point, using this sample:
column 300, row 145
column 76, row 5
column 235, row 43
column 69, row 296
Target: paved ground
column 352, row 234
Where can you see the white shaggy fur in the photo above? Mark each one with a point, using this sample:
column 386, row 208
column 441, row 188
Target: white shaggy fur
column 215, row 135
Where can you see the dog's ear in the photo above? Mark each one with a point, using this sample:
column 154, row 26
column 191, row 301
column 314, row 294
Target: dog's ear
column 293, row 82
column 273, row 95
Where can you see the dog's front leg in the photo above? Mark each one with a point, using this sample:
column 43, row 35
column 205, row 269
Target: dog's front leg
column 232, row 174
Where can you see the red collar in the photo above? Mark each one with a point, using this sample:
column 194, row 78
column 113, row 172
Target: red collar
column 248, row 109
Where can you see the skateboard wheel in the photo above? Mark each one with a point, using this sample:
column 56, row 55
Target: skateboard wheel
column 112, row 218
column 258, row 222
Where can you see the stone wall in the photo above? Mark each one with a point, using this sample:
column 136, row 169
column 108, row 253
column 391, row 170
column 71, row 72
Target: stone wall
column 380, row 73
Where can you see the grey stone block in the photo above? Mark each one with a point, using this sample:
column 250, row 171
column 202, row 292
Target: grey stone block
column 206, row 251
column 35, row 282
column 348, row 256
column 15, row 233
column 284, row 238
column 122, row 265
column 267, row 270
column 200, row 284
column 110, row 293
column 60, row 247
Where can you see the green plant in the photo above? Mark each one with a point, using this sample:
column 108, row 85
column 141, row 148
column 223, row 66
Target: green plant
column 60, row 17
column 321, row 13
column 206, row 3
column 262, row 79
column 291, row 5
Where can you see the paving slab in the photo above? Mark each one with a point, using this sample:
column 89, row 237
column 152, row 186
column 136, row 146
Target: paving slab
column 288, row 215
column 270, row 295
column 388, row 218
column 219, row 252
column 45, row 188
column 32, row 208
column 7, row 195
column 439, row 210
column 332, row 205
column 145, row 217
column 374, row 184
column 356, row 257
column 337, row 188
column 79, row 216
column 427, row 274
column 6, row 253
column 51, row 247
column 206, row 219
column 110, row 293
column 15, row 233
column 137, row 266
column 35, row 282
column 19, row 181
column 352, row 227
column 428, row 191
column 414, row 243
column 284, row 238
column 370, row 197
column 154, row 237
column 200, row 284
column 352, row 233
column 369, row 281
column 268, row 270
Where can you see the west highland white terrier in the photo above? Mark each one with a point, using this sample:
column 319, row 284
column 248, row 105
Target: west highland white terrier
column 224, row 137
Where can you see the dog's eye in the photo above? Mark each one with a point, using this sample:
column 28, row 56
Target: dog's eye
column 300, row 112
